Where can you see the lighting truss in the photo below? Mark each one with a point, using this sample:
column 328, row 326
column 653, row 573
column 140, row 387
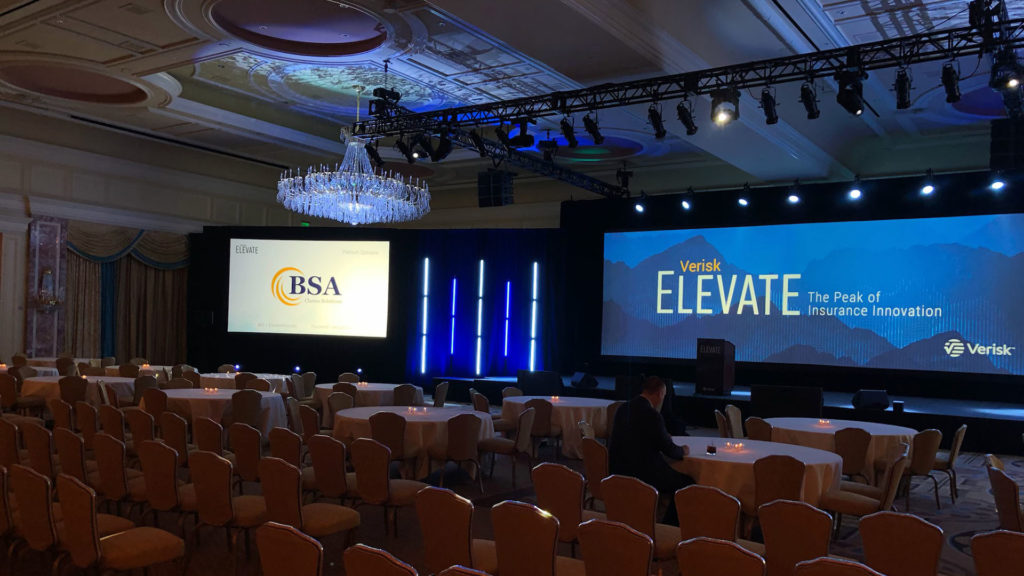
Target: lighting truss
column 929, row 46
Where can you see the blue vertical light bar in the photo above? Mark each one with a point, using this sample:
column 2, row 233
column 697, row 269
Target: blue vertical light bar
column 480, row 317
column 455, row 284
column 508, row 292
column 533, row 318
column 423, row 330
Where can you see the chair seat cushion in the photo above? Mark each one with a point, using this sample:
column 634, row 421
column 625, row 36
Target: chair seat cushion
column 140, row 547
column 250, row 511
column 565, row 566
column 321, row 519
column 862, row 489
column 484, row 555
column 848, row 503
column 108, row 524
column 499, row 445
column 666, row 538
column 941, row 461
column 403, row 492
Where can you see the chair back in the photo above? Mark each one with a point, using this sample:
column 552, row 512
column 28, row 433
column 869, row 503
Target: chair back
column 630, row 501
column 247, row 444
column 1007, row 496
column 524, row 430
column 510, row 391
column 193, row 377
column 542, row 421
column 388, row 428
column 525, row 538
column 71, row 452
column 142, row 383
column 310, row 420
column 405, row 395
column 291, row 406
column 39, row 443
column 793, row 532
column 285, row 550
column 889, row 536
column 778, row 477
column 293, row 385
column 61, row 412
column 926, row 446
column 735, row 419
column 34, row 499
column 23, row 372
column 308, row 384
column 174, row 430
column 833, row 567
column 6, row 520
column 614, row 549
column 159, row 466
column 347, row 388
column 723, row 425
column 711, row 557
column 19, row 359
column 440, row 394
column 997, row 553
column 891, row 480
column 282, row 490
column 852, row 446
column 759, row 429
column 8, row 390
column 286, row 445
column 560, row 492
column 179, row 384
column 212, row 477
column 81, row 537
column 339, row 401
column 208, row 434
column 446, row 522
column 260, row 384
column 226, row 368
column 242, row 380
column 86, row 370
column 958, row 442
column 362, row 560
column 9, row 444
column 328, row 455
column 595, row 465
column 108, row 361
column 371, row 459
column 246, row 406
column 610, row 413
column 463, row 437
column 480, row 403
column 85, row 421
column 706, row 512
column 128, row 370
column 141, row 424
column 73, row 389
column 112, row 421
column 349, row 377
column 66, row 366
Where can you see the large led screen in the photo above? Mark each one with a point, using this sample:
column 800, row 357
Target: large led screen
column 925, row 294
column 328, row 288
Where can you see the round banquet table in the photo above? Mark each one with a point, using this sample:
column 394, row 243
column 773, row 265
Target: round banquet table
column 151, row 371
column 227, row 380
column 732, row 470
column 40, row 370
column 191, row 403
column 48, row 387
column 820, row 434
column 426, row 427
column 566, row 412
column 51, row 361
column 368, row 394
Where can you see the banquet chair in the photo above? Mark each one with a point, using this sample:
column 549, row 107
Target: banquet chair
column 259, row 384
column 887, row 536
column 141, row 424
column 246, row 406
column 711, row 557
column 923, row 452
column 526, row 541
column 209, row 436
column 998, row 553
column 735, row 420
column 23, row 372
column 112, row 421
column 510, row 391
column 310, row 420
column 405, row 395
column 758, row 429
column 19, row 359
column 39, row 443
column 560, row 492
column 446, row 523
column 12, row 401
column 776, row 477
column 329, row 458
column 362, row 560
column 285, row 550
column 440, row 394
column 247, row 445
column 308, row 388
column 142, row 383
column 123, row 551
column 155, row 401
column 108, row 361
column 635, row 504
column 71, row 453
column 613, row 549
column 833, row 567
column 349, row 377
column 10, row 451
column 371, row 460
column 128, row 370
column 610, row 413
column 86, row 422
column 193, row 377
column 852, row 446
column 294, row 417
column 61, row 412
column 297, row 389
column 86, row 370
column 459, row 570
column 138, row 361
column 543, row 427
column 242, row 380
column 595, row 468
column 706, row 511
column 66, row 366
column 945, row 461
column 282, row 491
column 388, row 428
column 72, row 389
column 118, row 483
column 462, row 445
column 6, row 519
column 178, row 384
column 482, row 404
column 513, row 447
column 1006, row 493
column 225, row 368
column 866, row 499
column 163, row 494
column 216, row 506
column 287, row 446
column 723, row 425
column 338, row 401
column 347, row 388
column 82, row 366
column 174, row 431
column 34, row 523
column 793, row 532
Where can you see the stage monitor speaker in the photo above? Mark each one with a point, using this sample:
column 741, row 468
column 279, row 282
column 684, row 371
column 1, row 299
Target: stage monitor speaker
column 871, row 400
column 777, row 401
column 583, row 380
column 494, row 188
column 1006, row 147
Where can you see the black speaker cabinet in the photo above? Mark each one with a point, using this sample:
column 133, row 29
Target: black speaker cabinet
column 716, row 370
column 871, row 400
column 494, row 188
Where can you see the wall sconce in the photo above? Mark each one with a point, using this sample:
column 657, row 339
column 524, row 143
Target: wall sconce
column 47, row 299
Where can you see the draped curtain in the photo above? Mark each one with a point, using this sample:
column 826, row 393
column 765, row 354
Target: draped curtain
column 82, row 298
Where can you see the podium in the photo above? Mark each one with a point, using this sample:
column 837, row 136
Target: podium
column 716, row 370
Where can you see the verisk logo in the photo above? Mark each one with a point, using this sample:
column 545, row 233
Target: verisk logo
column 290, row 284
column 955, row 348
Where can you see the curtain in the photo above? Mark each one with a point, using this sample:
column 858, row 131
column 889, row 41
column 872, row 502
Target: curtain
column 82, row 296
column 151, row 312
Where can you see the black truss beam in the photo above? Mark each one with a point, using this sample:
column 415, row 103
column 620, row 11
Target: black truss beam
column 925, row 47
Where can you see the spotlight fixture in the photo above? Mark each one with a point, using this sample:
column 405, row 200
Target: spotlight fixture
column 725, row 105
column 548, row 148
column 568, row 132
column 743, row 198
column 809, row 98
column 593, row 129
column 371, row 151
column 443, row 148
column 406, row 150
column 927, row 187
column 524, row 139
column 951, row 82
column 654, row 115
column 423, row 143
column 997, row 183
column 903, row 84
column 641, row 206
column 687, row 202
column 478, row 143
column 1006, row 71
column 771, row 116
column 793, row 199
column 851, row 92
column 501, row 133
column 684, row 110
column 855, row 191
column 743, row 202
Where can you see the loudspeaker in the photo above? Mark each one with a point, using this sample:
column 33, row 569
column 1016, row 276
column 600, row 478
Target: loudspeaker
column 583, row 380
column 1006, row 148
column 494, row 188
column 871, row 400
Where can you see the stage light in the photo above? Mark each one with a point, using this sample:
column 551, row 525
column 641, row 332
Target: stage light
column 405, row 150
column 725, row 105
column 593, row 129
column 686, row 205
column 1006, row 71
column 641, row 205
column 903, row 85
column 654, row 116
column 793, row 199
column 548, row 147
column 951, row 82
column 743, row 202
column 298, row 370
column 771, row 116
column 524, row 139
column 997, row 183
column 426, row 148
column 371, row 151
column 809, row 98
column 444, row 147
column 478, row 143
column 684, row 110
column 501, row 133
column 851, row 92
column 927, row 187
column 855, row 192
column 568, row 133
column 238, row 367
column 687, row 201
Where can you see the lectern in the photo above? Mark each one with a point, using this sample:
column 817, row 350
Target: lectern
column 716, row 370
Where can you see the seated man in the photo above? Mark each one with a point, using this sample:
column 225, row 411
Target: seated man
column 640, row 444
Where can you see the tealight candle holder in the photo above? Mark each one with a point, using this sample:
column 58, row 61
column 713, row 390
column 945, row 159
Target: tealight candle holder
column 363, row 384
column 411, row 410
column 145, row 366
column 554, row 398
column 3, row 366
column 824, row 422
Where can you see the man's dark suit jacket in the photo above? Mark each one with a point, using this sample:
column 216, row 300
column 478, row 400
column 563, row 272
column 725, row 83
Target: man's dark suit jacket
column 639, row 439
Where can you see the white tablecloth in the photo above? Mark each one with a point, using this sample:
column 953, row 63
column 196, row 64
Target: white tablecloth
column 426, row 427
column 47, row 387
column 191, row 403
column 813, row 433
column 566, row 412
column 51, row 361
column 733, row 470
column 368, row 394
column 227, row 380
column 40, row 370
column 151, row 371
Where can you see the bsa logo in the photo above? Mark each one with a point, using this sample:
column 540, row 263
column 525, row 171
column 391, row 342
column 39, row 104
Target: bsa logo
column 290, row 284
column 954, row 348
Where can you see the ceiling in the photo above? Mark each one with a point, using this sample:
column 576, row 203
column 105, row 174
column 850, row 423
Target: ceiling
column 270, row 83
